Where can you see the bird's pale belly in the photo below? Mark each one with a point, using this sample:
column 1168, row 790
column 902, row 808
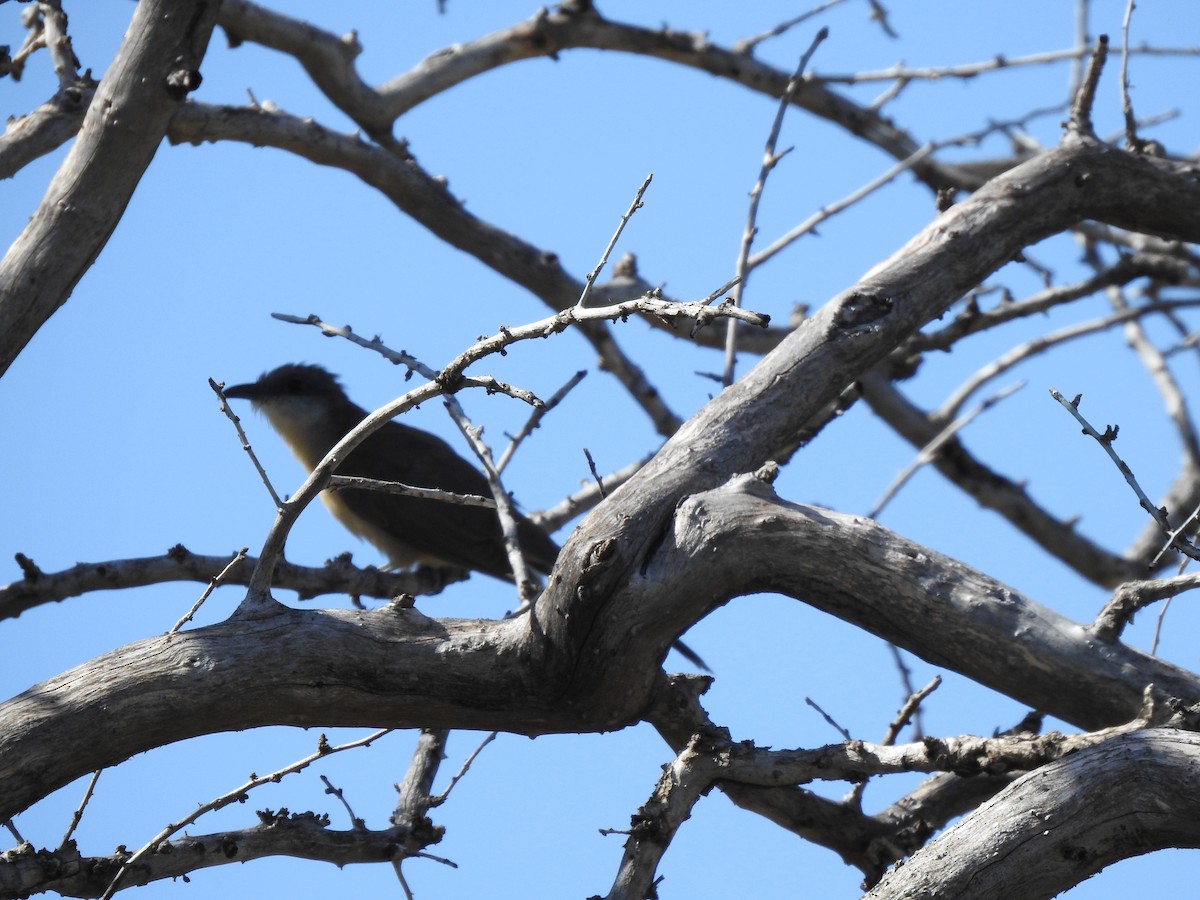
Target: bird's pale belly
column 399, row 554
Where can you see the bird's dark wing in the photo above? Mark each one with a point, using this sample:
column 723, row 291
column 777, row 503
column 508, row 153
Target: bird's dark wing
column 465, row 536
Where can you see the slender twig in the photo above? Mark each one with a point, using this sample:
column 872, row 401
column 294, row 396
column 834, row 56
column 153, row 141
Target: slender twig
column 769, row 161
column 931, row 449
column 905, row 679
column 1173, row 397
column 587, row 497
column 1132, row 141
column 237, row 795
column 218, row 389
column 633, row 207
column 828, row 718
column 527, row 585
column 1155, row 363
column 408, row 894
column 879, row 14
column 1082, row 39
column 1176, row 534
column 973, row 320
column 1158, row 626
column 747, row 45
column 595, row 475
column 721, row 291
column 1106, row 441
column 535, row 418
column 890, row 93
column 911, row 707
column 913, row 159
column 212, row 585
column 825, row 212
column 12, row 829
column 1038, row 345
column 458, row 776
column 400, row 489
column 1005, row 127
column 355, row 822
column 966, row 71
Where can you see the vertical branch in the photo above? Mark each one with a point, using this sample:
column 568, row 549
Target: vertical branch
column 1132, row 141
column 770, row 159
column 527, row 585
column 58, row 42
column 413, row 794
column 1082, row 39
column 1080, row 122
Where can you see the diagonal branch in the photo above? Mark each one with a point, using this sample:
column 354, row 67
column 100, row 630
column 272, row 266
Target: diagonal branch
column 1140, row 797
column 995, row 491
column 1176, row 540
column 156, row 67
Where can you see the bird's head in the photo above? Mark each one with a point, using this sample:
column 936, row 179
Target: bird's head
column 304, row 403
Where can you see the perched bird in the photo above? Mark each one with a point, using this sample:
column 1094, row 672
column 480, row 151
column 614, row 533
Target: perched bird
column 309, row 409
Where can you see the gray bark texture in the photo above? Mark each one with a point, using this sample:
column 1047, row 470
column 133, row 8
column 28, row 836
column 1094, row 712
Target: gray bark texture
column 697, row 527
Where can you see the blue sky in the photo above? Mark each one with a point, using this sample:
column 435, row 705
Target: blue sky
column 116, row 448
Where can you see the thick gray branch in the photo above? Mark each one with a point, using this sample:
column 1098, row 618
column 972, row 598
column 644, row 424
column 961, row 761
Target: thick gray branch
column 45, row 129
column 395, row 667
column 1054, row 827
column 303, row 668
column 610, row 609
column 842, row 341
column 940, row 609
column 157, row 65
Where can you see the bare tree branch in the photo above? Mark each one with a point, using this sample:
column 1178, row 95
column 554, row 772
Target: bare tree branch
column 1000, row 849
column 671, row 538
column 157, row 66
column 511, row 674
column 994, row 491
column 180, row 564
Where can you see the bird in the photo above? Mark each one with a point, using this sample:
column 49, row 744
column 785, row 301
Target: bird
column 311, row 412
